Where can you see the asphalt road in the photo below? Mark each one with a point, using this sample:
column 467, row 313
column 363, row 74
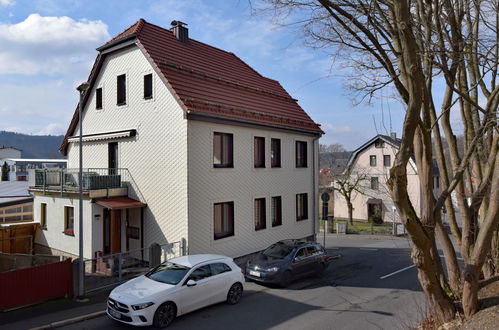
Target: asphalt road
column 356, row 292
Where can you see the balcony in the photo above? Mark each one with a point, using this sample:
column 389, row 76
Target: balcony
column 96, row 182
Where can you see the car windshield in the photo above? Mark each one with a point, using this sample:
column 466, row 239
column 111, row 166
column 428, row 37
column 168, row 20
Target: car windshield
column 168, row 273
column 278, row 250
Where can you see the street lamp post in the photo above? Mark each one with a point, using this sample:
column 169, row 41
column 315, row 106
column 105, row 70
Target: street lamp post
column 81, row 292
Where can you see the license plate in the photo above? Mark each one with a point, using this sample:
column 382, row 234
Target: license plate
column 254, row 273
column 114, row 314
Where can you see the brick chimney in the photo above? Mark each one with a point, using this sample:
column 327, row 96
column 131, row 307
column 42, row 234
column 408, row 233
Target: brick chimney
column 180, row 31
column 393, row 135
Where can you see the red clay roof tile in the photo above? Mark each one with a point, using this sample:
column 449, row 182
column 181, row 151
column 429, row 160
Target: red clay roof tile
column 209, row 80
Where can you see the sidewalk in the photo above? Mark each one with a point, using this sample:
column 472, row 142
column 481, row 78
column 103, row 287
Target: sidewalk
column 52, row 311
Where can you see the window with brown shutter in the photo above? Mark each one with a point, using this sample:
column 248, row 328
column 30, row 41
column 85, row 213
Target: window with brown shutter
column 301, row 154
column 301, row 207
column 223, row 220
column 222, row 150
column 260, row 214
column 276, row 211
column 259, row 152
column 275, row 153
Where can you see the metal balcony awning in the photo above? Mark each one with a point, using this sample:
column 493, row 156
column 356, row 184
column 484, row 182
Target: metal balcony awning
column 374, row 201
column 104, row 136
column 121, row 202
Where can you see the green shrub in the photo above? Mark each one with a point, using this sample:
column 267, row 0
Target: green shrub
column 376, row 219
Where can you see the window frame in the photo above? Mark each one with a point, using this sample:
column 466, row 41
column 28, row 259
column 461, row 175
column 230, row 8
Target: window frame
column 118, row 94
column 230, row 221
column 387, row 160
column 276, row 213
column 259, row 152
column 301, row 154
column 67, row 229
column 304, row 206
column 151, row 95
column 275, row 154
column 230, row 147
column 98, row 98
column 43, row 216
column 372, row 160
column 374, row 183
column 260, row 213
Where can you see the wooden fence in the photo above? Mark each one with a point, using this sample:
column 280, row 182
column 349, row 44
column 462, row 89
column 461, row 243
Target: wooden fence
column 17, row 238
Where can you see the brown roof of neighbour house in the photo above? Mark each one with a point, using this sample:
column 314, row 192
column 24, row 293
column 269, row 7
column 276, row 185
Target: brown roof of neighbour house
column 210, row 81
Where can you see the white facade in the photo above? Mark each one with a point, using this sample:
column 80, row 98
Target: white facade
column 361, row 165
column 171, row 161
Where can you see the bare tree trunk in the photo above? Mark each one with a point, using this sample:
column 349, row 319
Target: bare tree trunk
column 350, row 211
column 482, row 245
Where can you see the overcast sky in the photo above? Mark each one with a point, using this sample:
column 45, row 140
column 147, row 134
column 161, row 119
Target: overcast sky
column 47, row 47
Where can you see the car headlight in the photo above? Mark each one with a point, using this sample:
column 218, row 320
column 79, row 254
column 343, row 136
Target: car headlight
column 273, row 269
column 142, row 306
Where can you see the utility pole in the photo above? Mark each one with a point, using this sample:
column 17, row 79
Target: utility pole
column 81, row 273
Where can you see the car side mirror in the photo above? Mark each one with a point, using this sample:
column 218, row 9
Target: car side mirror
column 297, row 259
column 191, row 283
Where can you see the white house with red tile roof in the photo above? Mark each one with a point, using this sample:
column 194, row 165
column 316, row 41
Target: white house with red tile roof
column 182, row 141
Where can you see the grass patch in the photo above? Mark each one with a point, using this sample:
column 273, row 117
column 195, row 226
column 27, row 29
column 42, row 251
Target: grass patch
column 361, row 227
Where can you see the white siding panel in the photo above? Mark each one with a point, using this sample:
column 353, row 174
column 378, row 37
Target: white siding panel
column 242, row 184
column 156, row 158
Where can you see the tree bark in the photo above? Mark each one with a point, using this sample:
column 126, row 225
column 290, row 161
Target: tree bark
column 350, row 211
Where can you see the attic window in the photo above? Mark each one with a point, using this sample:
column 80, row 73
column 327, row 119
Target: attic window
column 148, row 86
column 379, row 144
column 98, row 98
column 121, row 87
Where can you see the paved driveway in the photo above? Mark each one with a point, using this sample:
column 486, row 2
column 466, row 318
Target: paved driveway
column 372, row 286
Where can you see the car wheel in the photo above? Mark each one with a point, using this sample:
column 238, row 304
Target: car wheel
column 322, row 270
column 286, row 279
column 165, row 314
column 235, row 293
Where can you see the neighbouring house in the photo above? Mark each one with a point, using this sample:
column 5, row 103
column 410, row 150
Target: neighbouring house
column 372, row 163
column 18, row 167
column 182, row 141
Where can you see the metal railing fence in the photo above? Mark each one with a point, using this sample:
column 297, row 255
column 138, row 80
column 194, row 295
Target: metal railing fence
column 109, row 270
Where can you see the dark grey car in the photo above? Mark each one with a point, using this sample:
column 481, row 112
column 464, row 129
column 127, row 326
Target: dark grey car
column 287, row 260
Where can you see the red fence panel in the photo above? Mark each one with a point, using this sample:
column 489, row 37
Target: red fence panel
column 36, row 284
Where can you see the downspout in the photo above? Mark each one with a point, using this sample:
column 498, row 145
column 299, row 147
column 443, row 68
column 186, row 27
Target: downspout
column 314, row 185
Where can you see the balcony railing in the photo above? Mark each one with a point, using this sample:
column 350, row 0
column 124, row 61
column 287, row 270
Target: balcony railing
column 67, row 180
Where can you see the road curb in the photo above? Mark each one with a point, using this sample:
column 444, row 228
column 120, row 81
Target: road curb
column 70, row 321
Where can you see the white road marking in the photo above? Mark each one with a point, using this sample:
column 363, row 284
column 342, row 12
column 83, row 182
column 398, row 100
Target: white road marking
column 398, row 271
column 369, row 249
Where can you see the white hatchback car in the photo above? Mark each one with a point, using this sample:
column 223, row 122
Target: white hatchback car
column 175, row 287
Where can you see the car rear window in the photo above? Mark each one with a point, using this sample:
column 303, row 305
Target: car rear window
column 168, row 273
column 278, row 251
